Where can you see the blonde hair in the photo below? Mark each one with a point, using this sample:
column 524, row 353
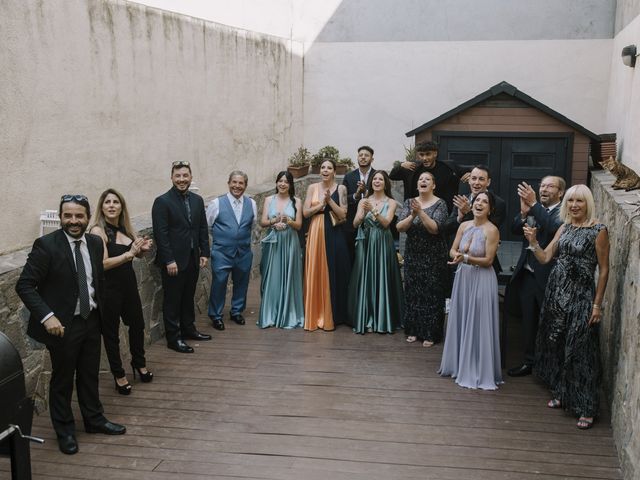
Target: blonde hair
column 580, row 192
column 124, row 220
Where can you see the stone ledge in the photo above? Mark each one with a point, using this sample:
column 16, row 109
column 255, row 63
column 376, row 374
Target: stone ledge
column 620, row 336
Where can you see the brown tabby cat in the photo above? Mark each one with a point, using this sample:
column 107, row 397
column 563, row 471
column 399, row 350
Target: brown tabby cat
column 626, row 178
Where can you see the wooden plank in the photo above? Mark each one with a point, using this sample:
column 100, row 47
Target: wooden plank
column 275, row 404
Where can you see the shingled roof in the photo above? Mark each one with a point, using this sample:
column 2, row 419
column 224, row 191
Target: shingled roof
column 508, row 89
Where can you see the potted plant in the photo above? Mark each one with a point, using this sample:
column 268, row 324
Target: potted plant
column 299, row 162
column 327, row 152
column 344, row 165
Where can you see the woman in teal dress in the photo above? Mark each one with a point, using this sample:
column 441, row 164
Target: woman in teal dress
column 375, row 289
column 281, row 265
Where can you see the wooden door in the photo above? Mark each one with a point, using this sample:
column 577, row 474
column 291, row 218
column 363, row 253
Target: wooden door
column 511, row 159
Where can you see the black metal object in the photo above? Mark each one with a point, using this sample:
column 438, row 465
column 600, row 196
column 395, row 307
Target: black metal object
column 16, row 411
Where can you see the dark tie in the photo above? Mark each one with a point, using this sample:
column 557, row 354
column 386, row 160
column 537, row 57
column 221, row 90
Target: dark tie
column 83, row 289
column 187, row 206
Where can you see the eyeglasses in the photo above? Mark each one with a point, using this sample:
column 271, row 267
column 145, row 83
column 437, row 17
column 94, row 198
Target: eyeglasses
column 549, row 185
column 181, row 163
column 73, row 198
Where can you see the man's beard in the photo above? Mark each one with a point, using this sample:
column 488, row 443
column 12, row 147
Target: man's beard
column 66, row 227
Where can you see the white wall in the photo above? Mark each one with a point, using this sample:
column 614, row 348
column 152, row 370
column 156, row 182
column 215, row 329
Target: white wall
column 373, row 93
column 300, row 20
column 105, row 93
column 623, row 112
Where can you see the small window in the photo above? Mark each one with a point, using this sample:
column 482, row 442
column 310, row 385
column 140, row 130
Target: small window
column 533, row 160
column 469, row 159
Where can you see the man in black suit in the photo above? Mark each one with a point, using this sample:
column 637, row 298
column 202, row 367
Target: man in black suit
column 61, row 285
column 525, row 291
column 182, row 239
column 426, row 156
column 356, row 182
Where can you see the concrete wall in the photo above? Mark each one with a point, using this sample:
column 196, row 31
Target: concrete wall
column 372, row 93
column 626, row 11
column 620, row 336
column 623, row 108
column 106, row 93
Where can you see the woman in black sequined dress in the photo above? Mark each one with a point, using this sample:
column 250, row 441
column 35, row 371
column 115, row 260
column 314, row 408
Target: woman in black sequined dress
column 567, row 346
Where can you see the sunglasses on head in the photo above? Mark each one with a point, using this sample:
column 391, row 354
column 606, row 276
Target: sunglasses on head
column 180, row 163
column 73, row 198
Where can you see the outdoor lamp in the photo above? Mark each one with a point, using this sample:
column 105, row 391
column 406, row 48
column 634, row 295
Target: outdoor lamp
column 629, row 54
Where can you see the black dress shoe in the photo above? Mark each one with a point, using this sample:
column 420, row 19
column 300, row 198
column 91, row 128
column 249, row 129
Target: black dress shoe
column 180, row 346
column 68, row 444
column 519, row 371
column 196, row 335
column 217, row 323
column 239, row 319
column 106, row 427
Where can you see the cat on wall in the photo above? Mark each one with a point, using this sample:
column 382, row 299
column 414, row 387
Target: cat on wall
column 626, row 178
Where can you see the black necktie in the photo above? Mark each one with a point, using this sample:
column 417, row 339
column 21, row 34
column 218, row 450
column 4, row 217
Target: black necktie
column 83, row 290
column 187, row 206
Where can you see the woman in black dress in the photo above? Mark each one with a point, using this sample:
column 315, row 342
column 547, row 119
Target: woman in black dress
column 568, row 346
column 122, row 245
column 425, row 263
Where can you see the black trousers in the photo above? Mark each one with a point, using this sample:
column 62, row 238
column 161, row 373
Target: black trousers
column 123, row 301
column 79, row 355
column 531, row 299
column 178, row 310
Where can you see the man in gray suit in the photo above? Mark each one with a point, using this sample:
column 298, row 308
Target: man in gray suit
column 525, row 291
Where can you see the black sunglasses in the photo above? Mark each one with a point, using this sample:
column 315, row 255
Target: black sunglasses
column 181, row 163
column 73, row 198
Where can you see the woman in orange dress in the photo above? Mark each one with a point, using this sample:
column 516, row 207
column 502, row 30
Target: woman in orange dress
column 327, row 263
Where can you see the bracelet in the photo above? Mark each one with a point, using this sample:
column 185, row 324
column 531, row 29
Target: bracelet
column 596, row 306
column 465, row 258
column 535, row 248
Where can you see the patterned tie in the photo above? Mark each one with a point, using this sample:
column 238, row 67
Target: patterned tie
column 83, row 289
column 237, row 210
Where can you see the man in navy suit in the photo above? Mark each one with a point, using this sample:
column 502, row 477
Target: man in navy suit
column 182, row 240
column 61, row 285
column 231, row 217
column 356, row 182
column 525, row 291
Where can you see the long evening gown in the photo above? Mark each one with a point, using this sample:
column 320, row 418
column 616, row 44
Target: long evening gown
column 281, row 268
column 327, row 269
column 425, row 274
column 376, row 302
column 471, row 352
column 567, row 348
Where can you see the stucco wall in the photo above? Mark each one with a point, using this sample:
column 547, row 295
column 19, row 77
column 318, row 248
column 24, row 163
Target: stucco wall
column 100, row 93
column 620, row 336
column 623, row 110
column 372, row 93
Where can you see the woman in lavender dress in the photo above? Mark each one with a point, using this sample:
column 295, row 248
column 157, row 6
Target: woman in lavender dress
column 472, row 344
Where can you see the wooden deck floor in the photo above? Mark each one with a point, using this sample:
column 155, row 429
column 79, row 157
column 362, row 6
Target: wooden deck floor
column 274, row 404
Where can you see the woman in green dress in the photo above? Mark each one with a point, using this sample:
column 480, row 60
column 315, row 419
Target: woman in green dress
column 281, row 265
column 376, row 302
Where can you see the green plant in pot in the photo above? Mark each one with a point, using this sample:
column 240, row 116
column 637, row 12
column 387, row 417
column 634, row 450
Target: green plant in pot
column 299, row 162
column 344, row 165
column 327, row 152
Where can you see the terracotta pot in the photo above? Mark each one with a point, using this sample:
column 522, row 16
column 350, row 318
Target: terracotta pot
column 298, row 172
column 341, row 169
column 315, row 169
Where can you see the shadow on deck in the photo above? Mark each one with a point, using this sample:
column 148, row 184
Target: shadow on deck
column 274, row 404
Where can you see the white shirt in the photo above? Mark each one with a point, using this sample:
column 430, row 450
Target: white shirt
column 363, row 179
column 214, row 208
column 84, row 251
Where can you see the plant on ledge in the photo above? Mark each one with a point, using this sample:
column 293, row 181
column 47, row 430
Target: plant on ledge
column 344, row 165
column 327, row 152
column 299, row 162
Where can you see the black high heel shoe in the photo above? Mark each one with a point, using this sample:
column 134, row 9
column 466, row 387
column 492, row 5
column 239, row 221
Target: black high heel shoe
column 144, row 377
column 122, row 389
